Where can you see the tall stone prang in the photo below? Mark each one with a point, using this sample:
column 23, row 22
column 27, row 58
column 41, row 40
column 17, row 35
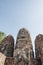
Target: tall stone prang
column 24, row 46
column 23, row 38
column 39, row 47
column 7, row 46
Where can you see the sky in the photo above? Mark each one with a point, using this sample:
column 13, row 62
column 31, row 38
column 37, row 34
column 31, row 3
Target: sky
column 17, row 14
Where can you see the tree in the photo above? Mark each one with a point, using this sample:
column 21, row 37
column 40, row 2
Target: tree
column 2, row 35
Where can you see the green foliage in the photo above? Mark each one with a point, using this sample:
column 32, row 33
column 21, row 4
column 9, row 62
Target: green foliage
column 2, row 35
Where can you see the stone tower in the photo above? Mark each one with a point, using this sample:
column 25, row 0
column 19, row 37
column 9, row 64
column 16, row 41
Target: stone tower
column 39, row 47
column 7, row 46
column 23, row 46
column 23, row 38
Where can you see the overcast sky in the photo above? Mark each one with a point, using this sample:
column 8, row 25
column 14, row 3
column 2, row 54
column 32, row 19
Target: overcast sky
column 16, row 14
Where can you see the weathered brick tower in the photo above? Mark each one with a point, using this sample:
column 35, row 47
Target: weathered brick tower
column 7, row 50
column 23, row 49
column 7, row 46
column 39, row 48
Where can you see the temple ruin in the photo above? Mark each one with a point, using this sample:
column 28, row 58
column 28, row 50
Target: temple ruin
column 39, row 47
column 24, row 47
column 7, row 46
column 23, row 53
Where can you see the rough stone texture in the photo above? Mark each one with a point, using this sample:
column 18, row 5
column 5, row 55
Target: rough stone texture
column 2, row 58
column 23, row 38
column 23, row 52
column 21, row 63
column 23, row 49
column 7, row 46
column 36, row 62
column 39, row 47
column 9, row 61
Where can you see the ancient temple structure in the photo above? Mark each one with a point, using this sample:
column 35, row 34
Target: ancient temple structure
column 7, row 46
column 39, row 48
column 24, row 49
column 23, row 38
column 7, row 50
column 23, row 53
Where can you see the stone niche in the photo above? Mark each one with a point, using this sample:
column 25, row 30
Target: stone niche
column 23, row 49
column 39, row 47
column 7, row 46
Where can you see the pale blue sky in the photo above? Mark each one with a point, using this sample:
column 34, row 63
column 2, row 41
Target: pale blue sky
column 15, row 14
